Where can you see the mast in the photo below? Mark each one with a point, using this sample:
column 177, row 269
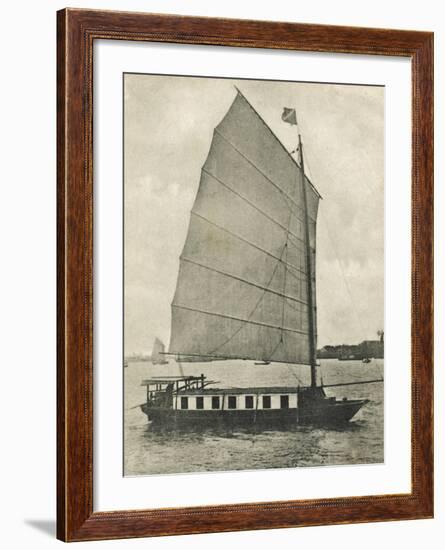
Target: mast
column 312, row 351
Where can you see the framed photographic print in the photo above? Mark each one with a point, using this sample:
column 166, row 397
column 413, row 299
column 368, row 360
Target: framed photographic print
column 245, row 226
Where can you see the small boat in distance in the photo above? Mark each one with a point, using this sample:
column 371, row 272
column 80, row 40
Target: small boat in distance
column 246, row 286
column 157, row 355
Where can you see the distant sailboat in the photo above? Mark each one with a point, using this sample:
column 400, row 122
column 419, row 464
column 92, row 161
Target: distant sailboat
column 157, row 355
column 246, row 285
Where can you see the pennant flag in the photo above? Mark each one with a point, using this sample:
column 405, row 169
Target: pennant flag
column 289, row 116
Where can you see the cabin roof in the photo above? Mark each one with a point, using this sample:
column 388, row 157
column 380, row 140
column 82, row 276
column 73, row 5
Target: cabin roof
column 172, row 380
column 240, row 391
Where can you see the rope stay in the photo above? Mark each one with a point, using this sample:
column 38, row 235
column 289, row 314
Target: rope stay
column 337, row 257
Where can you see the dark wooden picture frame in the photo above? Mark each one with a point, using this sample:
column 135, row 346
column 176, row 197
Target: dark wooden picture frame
column 77, row 31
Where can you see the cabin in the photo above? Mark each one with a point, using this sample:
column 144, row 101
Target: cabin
column 239, row 399
column 191, row 393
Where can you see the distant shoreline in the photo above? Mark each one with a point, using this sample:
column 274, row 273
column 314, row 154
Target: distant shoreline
column 367, row 349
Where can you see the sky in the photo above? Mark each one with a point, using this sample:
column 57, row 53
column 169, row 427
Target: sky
column 168, row 127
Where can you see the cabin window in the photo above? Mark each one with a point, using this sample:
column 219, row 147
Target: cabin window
column 284, row 401
column 215, row 402
column 249, row 401
column 200, row 402
column 266, row 401
column 184, row 402
column 231, row 402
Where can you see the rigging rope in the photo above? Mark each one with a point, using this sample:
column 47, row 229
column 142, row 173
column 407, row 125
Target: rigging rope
column 252, row 312
column 284, row 299
column 300, row 382
column 334, row 248
column 281, row 341
column 277, row 345
column 181, row 370
column 278, row 262
column 345, row 279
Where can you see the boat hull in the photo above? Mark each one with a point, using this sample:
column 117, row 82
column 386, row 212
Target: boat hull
column 326, row 414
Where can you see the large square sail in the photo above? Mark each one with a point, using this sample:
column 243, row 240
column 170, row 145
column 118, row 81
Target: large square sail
column 246, row 282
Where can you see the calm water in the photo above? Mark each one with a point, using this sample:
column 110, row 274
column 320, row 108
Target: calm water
column 360, row 442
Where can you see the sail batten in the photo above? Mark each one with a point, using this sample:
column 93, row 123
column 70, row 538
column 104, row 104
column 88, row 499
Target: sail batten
column 214, row 357
column 245, row 281
column 253, row 205
column 277, row 141
column 264, row 251
column 242, row 288
column 216, row 314
column 275, row 185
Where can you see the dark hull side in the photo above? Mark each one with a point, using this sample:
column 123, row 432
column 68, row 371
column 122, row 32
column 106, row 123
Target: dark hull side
column 332, row 413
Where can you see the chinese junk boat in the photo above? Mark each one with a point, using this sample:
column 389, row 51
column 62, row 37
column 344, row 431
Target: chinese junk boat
column 157, row 355
column 246, row 285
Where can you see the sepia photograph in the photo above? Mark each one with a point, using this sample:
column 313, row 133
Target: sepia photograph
column 253, row 274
